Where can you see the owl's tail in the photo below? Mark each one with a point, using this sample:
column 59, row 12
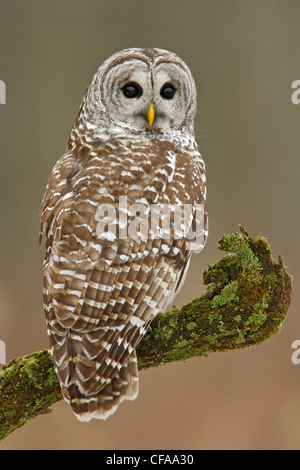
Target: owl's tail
column 101, row 405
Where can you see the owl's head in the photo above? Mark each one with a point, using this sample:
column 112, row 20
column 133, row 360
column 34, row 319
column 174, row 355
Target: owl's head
column 144, row 90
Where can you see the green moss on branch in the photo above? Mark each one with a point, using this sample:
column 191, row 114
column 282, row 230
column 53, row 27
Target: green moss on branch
column 246, row 301
column 28, row 386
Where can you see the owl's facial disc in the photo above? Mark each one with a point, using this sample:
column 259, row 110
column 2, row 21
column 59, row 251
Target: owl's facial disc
column 148, row 98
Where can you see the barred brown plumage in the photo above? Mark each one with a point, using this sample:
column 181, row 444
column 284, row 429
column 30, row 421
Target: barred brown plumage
column 101, row 288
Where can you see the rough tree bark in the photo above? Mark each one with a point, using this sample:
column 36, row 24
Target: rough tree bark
column 246, row 300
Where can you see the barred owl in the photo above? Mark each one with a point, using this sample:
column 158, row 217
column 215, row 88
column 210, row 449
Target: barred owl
column 131, row 147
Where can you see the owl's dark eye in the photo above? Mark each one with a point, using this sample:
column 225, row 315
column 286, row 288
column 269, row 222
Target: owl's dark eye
column 132, row 90
column 167, row 91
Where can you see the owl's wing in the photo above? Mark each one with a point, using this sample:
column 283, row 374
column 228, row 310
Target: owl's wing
column 100, row 290
column 99, row 294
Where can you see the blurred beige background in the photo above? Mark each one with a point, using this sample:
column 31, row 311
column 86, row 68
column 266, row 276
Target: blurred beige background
column 244, row 56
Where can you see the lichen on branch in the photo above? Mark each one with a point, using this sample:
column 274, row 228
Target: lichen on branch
column 246, row 301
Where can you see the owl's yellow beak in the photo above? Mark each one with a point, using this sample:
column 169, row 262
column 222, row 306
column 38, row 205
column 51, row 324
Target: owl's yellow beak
column 151, row 114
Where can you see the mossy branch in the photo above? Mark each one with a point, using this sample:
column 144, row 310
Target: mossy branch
column 246, row 301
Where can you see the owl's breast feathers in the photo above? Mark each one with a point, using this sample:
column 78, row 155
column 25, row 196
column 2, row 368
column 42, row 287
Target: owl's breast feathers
column 101, row 290
column 158, row 173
